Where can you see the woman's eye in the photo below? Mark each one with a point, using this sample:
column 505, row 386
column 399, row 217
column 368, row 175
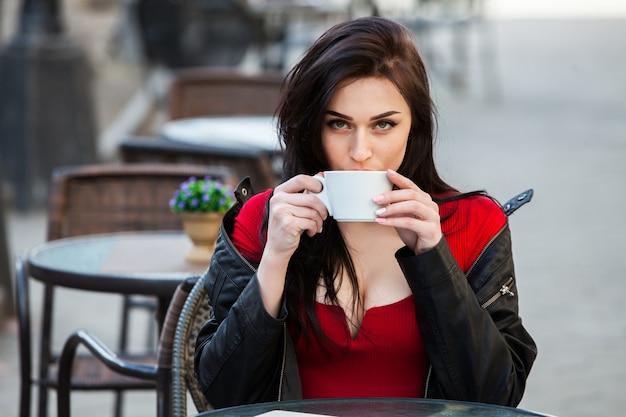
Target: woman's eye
column 337, row 124
column 385, row 125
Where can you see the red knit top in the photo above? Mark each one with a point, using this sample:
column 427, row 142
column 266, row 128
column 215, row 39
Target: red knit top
column 386, row 358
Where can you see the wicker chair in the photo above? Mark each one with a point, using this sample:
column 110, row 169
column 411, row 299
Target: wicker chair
column 193, row 315
column 173, row 370
column 95, row 199
column 196, row 92
column 108, row 198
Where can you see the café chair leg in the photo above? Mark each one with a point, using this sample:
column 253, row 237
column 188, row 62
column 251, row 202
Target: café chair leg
column 108, row 358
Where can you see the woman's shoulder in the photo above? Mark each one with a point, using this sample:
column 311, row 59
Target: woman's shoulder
column 477, row 205
column 469, row 222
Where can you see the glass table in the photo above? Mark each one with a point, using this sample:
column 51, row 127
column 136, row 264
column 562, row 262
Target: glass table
column 147, row 263
column 371, row 407
column 141, row 263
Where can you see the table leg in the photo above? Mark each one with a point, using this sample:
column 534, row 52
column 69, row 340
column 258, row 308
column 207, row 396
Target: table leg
column 45, row 350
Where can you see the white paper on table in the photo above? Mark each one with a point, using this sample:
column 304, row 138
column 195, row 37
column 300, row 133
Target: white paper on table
column 285, row 413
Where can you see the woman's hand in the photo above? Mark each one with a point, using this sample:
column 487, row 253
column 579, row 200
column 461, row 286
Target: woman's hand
column 412, row 212
column 292, row 212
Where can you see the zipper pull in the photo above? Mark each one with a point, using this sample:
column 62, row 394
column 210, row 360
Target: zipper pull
column 505, row 290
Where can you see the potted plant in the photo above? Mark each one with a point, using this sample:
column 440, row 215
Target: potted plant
column 202, row 204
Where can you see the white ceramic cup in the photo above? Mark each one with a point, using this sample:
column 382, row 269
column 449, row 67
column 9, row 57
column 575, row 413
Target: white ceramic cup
column 348, row 194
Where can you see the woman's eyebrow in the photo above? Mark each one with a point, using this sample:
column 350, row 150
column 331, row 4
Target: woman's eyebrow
column 379, row 116
column 383, row 115
column 337, row 114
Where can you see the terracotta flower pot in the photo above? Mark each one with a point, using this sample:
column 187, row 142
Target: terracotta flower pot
column 202, row 229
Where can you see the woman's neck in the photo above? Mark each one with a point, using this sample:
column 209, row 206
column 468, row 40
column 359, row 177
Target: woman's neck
column 372, row 248
column 364, row 237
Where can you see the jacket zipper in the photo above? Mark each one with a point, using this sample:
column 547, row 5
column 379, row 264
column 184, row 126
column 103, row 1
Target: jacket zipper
column 253, row 269
column 284, row 362
column 482, row 252
column 505, row 290
column 427, row 383
column 282, row 368
column 230, row 244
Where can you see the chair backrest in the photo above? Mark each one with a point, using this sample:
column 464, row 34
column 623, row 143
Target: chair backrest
column 107, row 198
column 166, row 343
column 193, row 315
column 197, row 92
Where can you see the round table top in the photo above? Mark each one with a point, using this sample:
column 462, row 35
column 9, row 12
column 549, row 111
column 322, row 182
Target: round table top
column 370, row 407
column 149, row 263
column 234, row 132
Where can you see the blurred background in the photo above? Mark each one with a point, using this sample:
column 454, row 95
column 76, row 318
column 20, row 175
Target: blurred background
column 529, row 94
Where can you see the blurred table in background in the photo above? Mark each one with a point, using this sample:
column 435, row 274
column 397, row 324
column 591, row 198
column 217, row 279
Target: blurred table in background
column 238, row 132
column 246, row 145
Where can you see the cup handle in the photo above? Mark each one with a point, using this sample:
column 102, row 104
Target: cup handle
column 323, row 195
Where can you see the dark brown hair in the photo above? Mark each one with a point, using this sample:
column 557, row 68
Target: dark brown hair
column 365, row 47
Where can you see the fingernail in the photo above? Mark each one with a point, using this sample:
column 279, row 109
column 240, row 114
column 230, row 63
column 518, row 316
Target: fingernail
column 321, row 228
column 378, row 198
column 380, row 211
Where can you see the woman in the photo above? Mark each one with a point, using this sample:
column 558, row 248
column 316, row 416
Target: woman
column 420, row 303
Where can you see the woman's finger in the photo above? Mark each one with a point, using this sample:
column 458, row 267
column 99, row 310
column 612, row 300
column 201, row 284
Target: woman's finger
column 298, row 184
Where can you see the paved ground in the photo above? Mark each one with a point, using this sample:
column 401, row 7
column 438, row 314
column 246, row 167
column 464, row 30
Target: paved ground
column 548, row 112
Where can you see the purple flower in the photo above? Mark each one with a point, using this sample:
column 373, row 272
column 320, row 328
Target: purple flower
column 205, row 195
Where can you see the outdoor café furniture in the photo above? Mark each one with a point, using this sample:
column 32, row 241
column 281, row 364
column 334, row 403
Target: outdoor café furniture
column 246, row 145
column 216, row 33
column 205, row 91
column 372, row 407
column 223, row 33
column 173, row 370
column 101, row 198
column 262, row 167
column 145, row 263
column 210, row 92
column 254, row 133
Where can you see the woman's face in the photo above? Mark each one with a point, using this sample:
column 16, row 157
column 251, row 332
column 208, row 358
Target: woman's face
column 366, row 126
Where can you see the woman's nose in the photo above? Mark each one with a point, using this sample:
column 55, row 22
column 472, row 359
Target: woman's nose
column 360, row 148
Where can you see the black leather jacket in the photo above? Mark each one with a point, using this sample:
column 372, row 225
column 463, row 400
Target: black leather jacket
column 477, row 347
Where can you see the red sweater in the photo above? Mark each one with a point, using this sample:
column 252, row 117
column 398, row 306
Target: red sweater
column 387, row 357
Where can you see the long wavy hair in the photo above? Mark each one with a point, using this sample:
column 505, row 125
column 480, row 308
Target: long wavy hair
column 364, row 47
